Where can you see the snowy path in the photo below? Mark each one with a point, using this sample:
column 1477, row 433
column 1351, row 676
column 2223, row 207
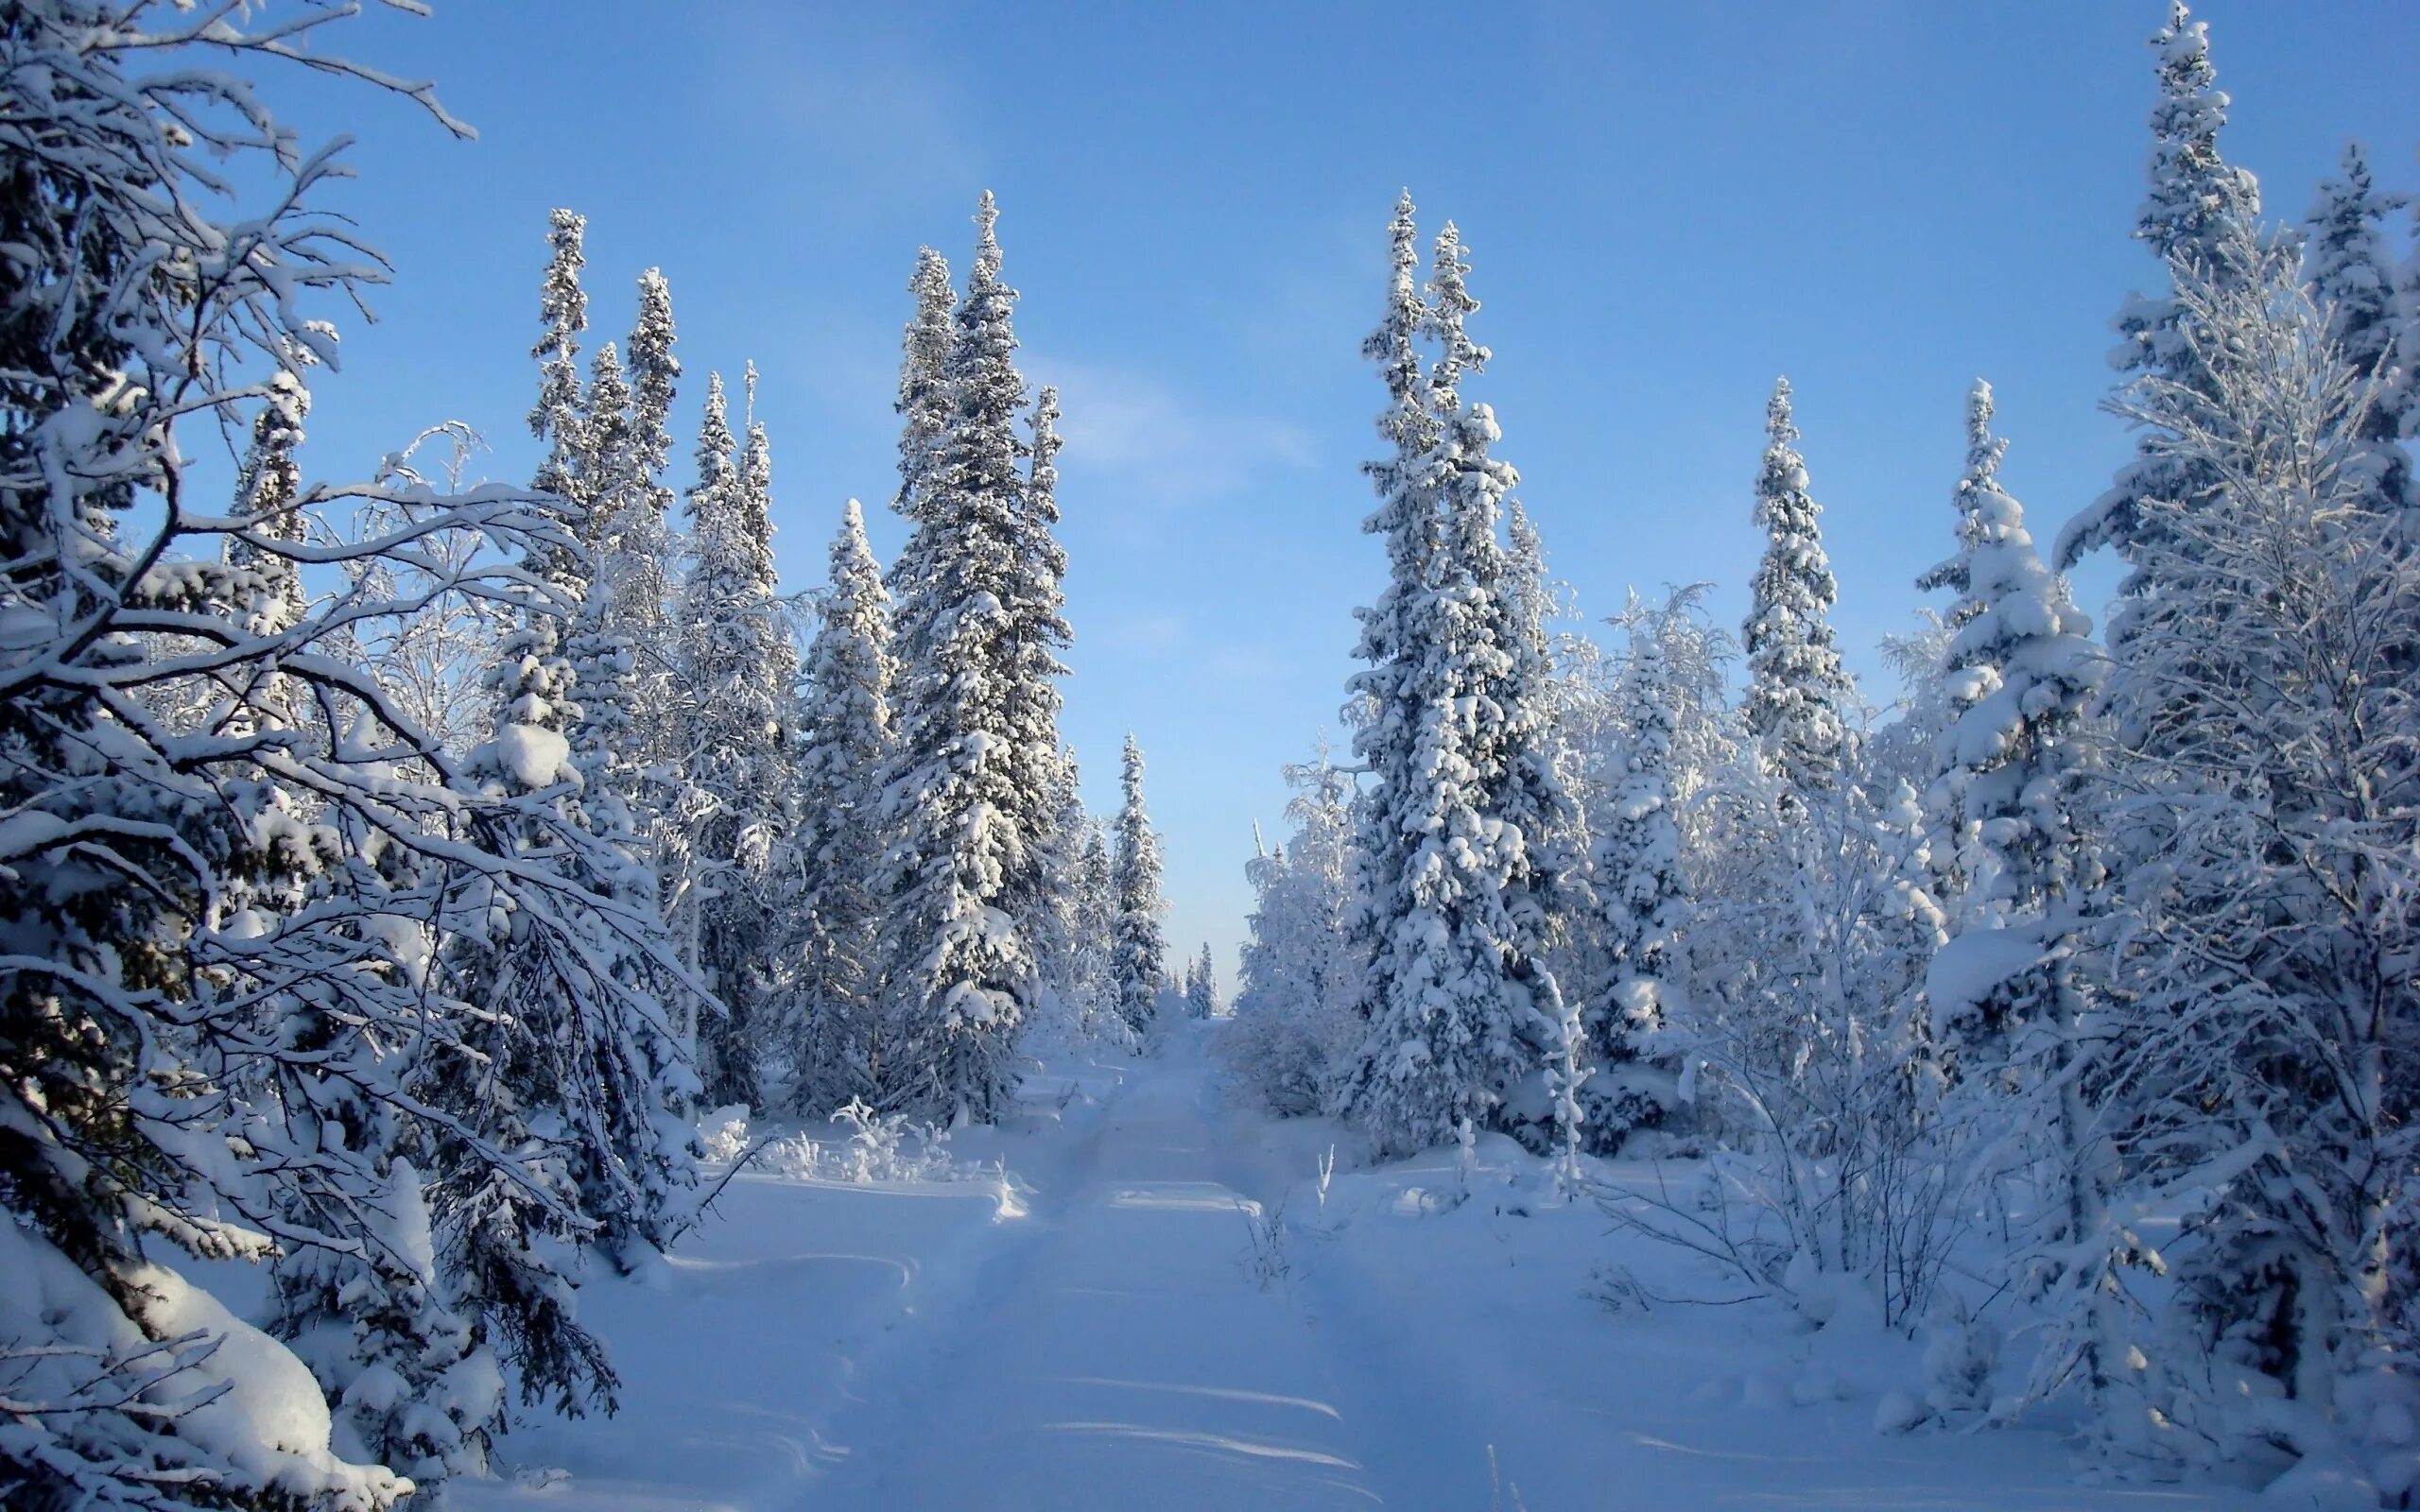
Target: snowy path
column 1097, row 1336
column 1128, row 1358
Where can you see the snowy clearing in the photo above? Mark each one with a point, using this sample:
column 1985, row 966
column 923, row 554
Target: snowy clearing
column 1114, row 1326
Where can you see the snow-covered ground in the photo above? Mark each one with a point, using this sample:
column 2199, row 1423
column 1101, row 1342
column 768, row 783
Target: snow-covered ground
column 1156, row 1307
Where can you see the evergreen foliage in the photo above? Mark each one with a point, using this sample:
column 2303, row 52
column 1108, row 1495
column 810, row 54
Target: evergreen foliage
column 1798, row 694
column 1139, row 954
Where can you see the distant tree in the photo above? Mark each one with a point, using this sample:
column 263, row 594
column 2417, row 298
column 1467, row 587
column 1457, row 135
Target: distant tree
column 1201, row 985
column 1139, row 960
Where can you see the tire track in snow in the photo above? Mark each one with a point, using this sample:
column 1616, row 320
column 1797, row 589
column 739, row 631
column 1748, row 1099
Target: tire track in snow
column 1120, row 1356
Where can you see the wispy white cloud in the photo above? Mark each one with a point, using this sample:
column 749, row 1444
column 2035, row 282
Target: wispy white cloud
column 1164, row 448
column 1148, row 634
column 1242, row 663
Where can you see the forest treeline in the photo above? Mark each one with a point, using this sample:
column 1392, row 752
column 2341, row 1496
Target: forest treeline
column 2066, row 1005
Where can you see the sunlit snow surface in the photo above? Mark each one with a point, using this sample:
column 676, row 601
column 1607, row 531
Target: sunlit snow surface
column 1113, row 1328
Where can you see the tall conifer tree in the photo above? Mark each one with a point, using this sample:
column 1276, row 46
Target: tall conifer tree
column 739, row 665
column 1798, row 692
column 557, row 420
column 924, row 408
column 1463, row 1009
column 2195, row 207
column 837, row 1030
column 957, row 944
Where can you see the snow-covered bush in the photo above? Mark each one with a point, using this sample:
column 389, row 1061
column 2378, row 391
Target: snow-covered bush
column 723, row 1134
column 1293, row 1013
column 1806, row 1058
column 877, row 1147
column 892, row 1147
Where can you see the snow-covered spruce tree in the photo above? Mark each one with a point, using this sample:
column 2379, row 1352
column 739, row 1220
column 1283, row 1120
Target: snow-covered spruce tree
column 1645, row 893
column 558, row 417
column 1536, row 825
column 175, row 1076
column 2012, row 1024
column 2262, row 1086
column 688, row 808
column 1060, row 943
column 586, row 468
column 1458, row 981
column 1139, row 955
column 958, row 881
column 606, row 744
column 2352, row 281
column 601, row 636
column 2007, row 811
column 1035, row 892
column 923, row 409
column 614, row 457
column 1299, row 982
column 638, row 530
column 655, row 374
column 2195, row 203
column 1558, row 675
column 1798, row 692
column 1384, row 701
column 737, row 664
column 834, row 1026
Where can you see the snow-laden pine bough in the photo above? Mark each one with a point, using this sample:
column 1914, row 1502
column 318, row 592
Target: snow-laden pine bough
column 287, row 979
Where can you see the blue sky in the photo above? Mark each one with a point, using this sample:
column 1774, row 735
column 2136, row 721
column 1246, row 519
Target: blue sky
column 1666, row 206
